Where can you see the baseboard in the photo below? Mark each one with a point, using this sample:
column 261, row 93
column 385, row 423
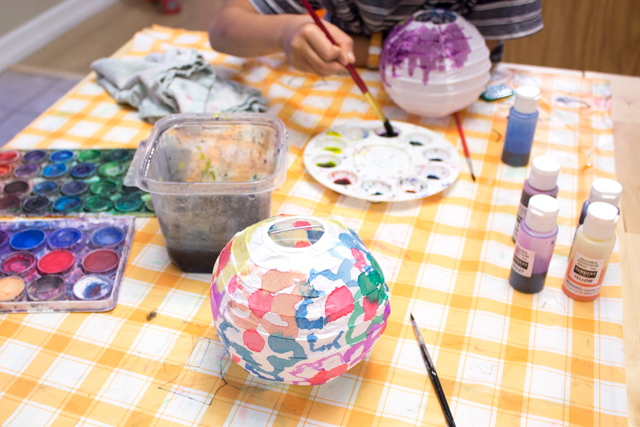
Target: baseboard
column 41, row 30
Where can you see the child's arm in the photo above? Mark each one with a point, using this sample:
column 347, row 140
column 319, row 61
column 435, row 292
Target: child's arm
column 241, row 31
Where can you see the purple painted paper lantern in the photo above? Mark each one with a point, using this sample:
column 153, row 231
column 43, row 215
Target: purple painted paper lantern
column 435, row 63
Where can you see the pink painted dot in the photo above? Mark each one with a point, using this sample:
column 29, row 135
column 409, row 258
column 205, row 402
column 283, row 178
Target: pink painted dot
column 260, row 302
column 300, row 224
column 324, row 376
column 339, row 303
column 359, row 257
column 302, row 244
column 253, row 340
column 233, row 284
column 370, row 309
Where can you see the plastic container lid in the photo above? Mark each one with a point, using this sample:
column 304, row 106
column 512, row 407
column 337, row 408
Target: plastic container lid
column 601, row 221
column 542, row 213
column 544, row 173
column 605, row 190
column 527, row 99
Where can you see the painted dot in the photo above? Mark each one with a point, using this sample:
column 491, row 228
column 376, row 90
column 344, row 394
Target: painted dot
column 34, row 156
column 66, row 238
column 74, row 188
column 129, row 203
column 47, row 288
column 106, row 237
column 55, row 170
column 19, row 263
column 97, row 204
column 90, row 156
column 61, row 156
column 100, row 261
column 27, row 240
column 56, row 262
column 104, row 188
column 93, row 287
column 83, row 170
column 112, row 169
column 253, row 340
column 4, row 171
column 16, row 188
column 9, row 156
column 67, row 204
column 8, row 203
column 45, row 188
column 36, row 204
column 26, row 170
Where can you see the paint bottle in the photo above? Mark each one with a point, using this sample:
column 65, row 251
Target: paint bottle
column 591, row 251
column 602, row 190
column 521, row 127
column 542, row 180
column 534, row 245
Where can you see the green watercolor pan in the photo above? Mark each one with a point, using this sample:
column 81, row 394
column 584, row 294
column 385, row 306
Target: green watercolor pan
column 69, row 182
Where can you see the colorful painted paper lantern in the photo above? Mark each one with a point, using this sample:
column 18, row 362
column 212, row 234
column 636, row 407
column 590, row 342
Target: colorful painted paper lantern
column 435, row 63
column 298, row 299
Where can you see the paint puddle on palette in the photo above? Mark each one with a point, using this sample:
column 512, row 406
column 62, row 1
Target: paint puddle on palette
column 63, row 264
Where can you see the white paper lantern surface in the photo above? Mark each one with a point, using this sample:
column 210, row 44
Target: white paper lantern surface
column 435, row 63
column 298, row 299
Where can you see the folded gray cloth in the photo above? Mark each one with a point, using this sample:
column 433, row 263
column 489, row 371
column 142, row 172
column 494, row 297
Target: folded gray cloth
column 176, row 81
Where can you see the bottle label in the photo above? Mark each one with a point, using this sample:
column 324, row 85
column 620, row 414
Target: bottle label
column 585, row 291
column 585, row 270
column 523, row 261
column 522, row 213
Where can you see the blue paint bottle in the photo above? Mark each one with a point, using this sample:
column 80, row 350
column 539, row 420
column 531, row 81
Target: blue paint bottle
column 521, row 127
column 602, row 190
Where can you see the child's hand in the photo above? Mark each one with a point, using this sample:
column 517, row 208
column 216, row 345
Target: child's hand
column 308, row 48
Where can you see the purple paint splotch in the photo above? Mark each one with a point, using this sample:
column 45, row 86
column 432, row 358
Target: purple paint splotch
column 424, row 48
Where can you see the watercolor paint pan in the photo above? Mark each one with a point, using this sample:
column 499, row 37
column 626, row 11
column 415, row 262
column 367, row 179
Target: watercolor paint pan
column 68, row 183
column 70, row 264
column 360, row 161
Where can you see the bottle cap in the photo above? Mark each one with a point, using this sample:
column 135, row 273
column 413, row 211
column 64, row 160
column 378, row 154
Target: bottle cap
column 527, row 99
column 544, row 173
column 542, row 213
column 605, row 190
column 601, row 221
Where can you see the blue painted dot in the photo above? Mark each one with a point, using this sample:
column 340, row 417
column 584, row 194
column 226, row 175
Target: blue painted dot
column 83, row 170
column 55, row 170
column 45, row 188
column 66, row 238
column 74, row 188
column 107, row 237
column 27, row 240
column 34, row 156
column 67, row 204
column 61, row 156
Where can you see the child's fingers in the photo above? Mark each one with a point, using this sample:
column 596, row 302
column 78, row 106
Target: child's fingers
column 345, row 42
column 321, row 45
column 320, row 66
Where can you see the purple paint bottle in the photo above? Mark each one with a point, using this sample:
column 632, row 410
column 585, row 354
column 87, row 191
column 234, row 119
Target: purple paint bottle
column 534, row 245
column 542, row 180
column 521, row 127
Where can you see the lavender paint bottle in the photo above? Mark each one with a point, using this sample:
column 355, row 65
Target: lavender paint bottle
column 521, row 127
column 542, row 180
column 534, row 245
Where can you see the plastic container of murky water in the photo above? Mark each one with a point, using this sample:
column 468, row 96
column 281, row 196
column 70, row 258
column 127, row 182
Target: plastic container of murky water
column 209, row 176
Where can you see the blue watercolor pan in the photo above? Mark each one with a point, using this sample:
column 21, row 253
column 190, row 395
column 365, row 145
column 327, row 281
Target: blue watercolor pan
column 71, row 264
column 69, row 183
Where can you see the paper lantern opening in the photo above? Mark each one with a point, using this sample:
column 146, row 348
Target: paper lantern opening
column 296, row 233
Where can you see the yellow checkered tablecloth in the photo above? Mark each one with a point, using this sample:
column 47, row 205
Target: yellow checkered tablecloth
column 504, row 358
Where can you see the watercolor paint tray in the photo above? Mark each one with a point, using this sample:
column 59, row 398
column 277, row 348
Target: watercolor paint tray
column 357, row 161
column 70, row 264
column 69, row 182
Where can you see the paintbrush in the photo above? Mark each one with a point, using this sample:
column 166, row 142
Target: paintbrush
column 354, row 74
column 434, row 376
column 464, row 145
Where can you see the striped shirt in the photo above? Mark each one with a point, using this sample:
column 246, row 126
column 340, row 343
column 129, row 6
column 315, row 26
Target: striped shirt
column 495, row 19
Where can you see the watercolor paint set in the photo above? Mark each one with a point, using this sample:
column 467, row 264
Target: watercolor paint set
column 71, row 264
column 69, row 182
column 362, row 162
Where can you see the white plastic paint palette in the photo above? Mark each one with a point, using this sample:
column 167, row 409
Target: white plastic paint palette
column 357, row 161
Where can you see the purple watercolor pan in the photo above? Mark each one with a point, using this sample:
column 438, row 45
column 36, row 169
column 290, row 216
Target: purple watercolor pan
column 73, row 264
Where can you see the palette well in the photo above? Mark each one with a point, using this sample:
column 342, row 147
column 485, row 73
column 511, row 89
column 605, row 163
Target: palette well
column 73, row 264
column 361, row 162
column 69, row 182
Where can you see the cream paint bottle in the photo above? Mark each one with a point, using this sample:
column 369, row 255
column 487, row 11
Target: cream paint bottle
column 591, row 252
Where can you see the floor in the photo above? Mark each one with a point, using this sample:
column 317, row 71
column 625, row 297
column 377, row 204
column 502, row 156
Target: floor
column 25, row 96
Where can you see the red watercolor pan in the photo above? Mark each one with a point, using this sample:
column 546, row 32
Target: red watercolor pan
column 18, row 263
column 56, row 262
column 100, row 261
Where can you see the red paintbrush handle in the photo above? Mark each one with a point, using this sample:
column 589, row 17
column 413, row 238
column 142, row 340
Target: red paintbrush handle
column 461, row 132
column 318, row 21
